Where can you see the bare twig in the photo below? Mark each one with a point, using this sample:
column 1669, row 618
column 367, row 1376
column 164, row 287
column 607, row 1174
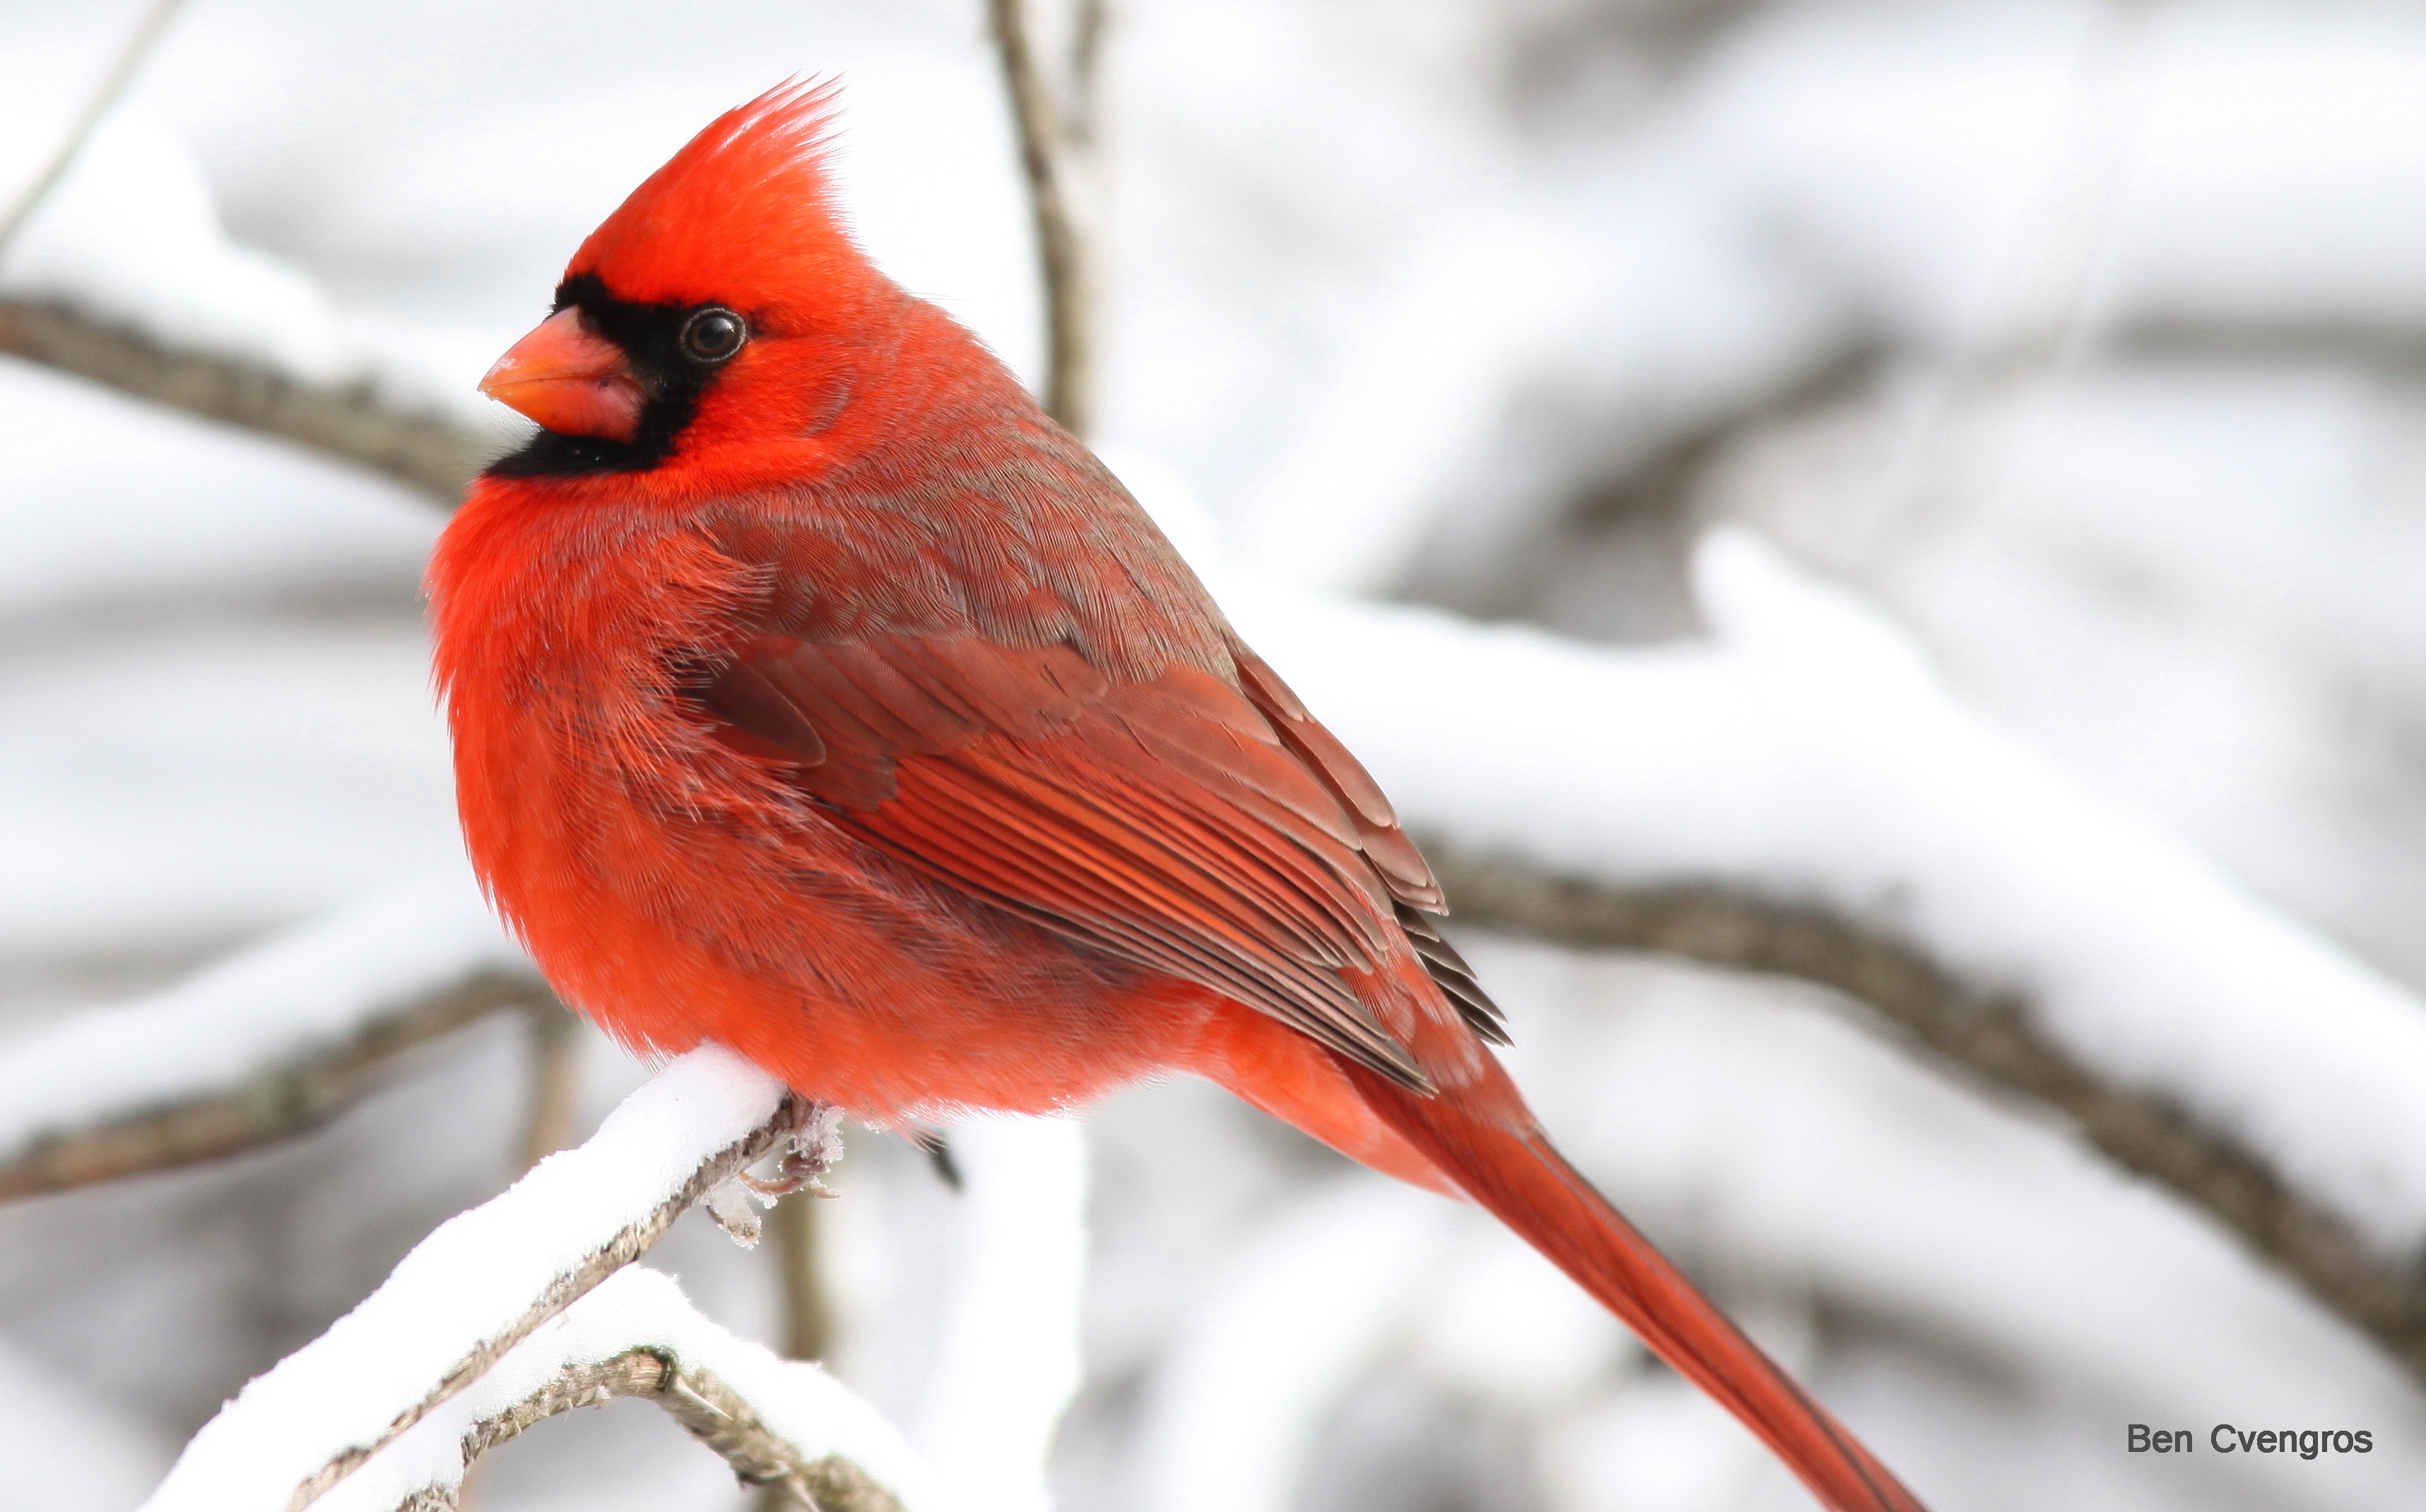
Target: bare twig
column 1990, row 1037
column 1649, row 498
column 555, row 1082
column 627, row 1245
column 1092, row 23
column 279, row 1103
column 349, row 424
column 2039, row 324
column 1054, row 136
column 808, row 1316
column 708, row 1408
column 808, row 1313
column 121, row 73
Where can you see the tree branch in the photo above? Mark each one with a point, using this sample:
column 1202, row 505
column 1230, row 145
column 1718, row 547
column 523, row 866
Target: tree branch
column 121, row 73
column 502, row 1299
column 1989, row 1037
column 276, row 1103
column 350, row 425
column 808, row 1313
column 1651, row 496
column 709, row 1409
column 1053, row 136
column 554, row 1081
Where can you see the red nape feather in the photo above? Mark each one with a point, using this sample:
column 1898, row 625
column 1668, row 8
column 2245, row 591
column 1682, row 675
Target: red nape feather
column 743, row 212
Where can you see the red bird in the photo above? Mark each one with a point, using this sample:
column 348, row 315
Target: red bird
column 813, row 693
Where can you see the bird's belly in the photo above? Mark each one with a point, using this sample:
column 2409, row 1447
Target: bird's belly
column 749, row 921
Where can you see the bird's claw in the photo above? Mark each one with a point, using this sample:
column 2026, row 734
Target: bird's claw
column 813, row 1149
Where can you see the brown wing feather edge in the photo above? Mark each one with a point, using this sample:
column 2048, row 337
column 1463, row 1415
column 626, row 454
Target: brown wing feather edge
column 1401, row 865
column 1449, row 968
column 1415, row 891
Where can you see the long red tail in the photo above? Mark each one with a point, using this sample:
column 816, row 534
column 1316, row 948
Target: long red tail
column 1532, row 1189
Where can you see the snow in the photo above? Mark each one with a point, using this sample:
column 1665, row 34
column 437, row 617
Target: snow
column 132, row 233
column 269, row 1005
column 1321, row 1286
column 1008, row 1365
column 465, row 1284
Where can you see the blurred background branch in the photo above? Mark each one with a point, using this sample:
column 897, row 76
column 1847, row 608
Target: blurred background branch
column 1054, row 110
column 274, row 1103
column 1983, row 1036
column 551, row 1118
column 353, row 423
column 104, row 96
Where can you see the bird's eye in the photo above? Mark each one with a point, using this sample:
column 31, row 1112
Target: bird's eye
column 711, row 336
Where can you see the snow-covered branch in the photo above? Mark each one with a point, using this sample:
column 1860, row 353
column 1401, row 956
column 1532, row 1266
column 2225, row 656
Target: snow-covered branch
column 264, row 1046
column 485, row 1282
column 777, row 1424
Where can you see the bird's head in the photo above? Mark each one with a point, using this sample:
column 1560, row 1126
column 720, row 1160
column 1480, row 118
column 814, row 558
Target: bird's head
column 723, row 302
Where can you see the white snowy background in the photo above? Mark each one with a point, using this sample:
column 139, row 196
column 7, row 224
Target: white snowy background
column 2084, row 344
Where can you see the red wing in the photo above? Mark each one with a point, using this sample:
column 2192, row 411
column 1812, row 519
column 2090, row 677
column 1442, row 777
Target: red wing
column 1178, row 824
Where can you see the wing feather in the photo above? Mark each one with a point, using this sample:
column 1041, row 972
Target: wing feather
column 1211, row 831
column 1383, row 841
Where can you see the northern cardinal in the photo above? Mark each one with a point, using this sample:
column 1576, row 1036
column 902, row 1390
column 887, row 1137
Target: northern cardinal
column 813, row 693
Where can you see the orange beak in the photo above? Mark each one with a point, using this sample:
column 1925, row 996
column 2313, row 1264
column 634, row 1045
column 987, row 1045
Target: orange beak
column 570, row 379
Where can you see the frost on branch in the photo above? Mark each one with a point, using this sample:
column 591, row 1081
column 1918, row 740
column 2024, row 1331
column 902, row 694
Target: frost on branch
column 733, row 1206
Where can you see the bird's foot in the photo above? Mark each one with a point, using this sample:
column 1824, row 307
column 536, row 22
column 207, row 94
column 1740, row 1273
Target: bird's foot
column 815, row 1149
